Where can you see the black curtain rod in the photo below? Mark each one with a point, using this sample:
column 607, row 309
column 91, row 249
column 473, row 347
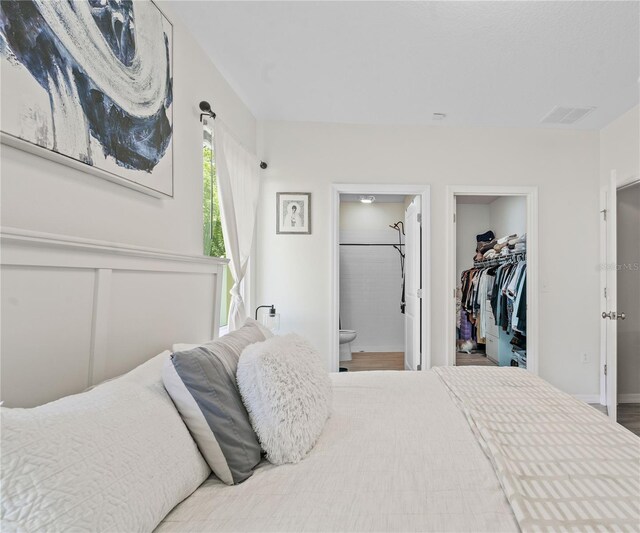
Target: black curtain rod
column 369, row 244
column 205, row 107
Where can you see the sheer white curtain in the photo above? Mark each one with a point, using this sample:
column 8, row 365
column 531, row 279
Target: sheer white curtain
column 238, row 186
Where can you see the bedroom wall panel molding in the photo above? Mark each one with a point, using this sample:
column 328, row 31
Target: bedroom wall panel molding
column 49, row 249
column 533, row 252
column 77, row 311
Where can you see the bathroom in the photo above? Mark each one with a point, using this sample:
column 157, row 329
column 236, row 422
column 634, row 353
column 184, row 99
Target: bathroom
column 375, row 312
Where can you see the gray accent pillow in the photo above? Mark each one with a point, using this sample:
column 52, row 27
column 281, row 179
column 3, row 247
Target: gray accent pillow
column 202, row 384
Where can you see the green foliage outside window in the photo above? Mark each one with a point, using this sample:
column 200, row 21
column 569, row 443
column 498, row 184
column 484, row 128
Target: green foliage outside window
column 212, row 221
column 213, row 239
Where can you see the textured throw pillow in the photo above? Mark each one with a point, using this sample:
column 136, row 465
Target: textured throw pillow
column 116, row 458
column 202, row 384
column 287, row 393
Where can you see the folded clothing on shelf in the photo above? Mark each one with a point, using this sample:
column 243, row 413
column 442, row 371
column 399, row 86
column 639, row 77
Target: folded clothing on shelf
column 485, row 246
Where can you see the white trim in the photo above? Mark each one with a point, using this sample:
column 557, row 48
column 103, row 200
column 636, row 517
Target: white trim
column 424, row 191
column 625, row 182
column 611, row 359
column 533, row 254
column 603, row 299
column 588, row 398
column 90, row 253
column 612, row 298
column 629, row 398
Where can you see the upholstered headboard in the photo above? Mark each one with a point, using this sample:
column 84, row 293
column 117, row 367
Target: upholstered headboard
column 76, row 312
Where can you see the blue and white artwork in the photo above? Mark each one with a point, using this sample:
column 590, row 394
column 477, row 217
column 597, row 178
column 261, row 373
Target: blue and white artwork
column 91, row 80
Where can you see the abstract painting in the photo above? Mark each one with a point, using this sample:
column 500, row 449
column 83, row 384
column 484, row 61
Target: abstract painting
column 91, row 81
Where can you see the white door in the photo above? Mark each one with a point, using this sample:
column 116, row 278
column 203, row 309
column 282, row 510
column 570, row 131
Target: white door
column 610, row 296
column 413, row 293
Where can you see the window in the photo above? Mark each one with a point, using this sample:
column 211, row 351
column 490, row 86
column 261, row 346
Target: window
column 212, row 222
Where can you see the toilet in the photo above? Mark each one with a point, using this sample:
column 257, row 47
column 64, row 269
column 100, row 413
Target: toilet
column 346, row 337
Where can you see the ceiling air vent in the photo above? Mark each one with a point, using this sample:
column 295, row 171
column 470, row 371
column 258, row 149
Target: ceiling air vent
column 566, row 115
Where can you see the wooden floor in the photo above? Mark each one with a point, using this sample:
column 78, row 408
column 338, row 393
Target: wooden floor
column 395, row 361
column 629, row 416
column 374, row 361
column 473, row 359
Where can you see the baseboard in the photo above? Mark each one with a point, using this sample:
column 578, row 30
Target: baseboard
column 629, row 398
column 587, row 398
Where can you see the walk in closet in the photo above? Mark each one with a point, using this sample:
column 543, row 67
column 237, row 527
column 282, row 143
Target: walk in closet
column 491, row 292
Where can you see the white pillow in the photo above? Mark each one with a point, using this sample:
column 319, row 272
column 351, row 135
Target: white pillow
column 287, row 394
column 116, row 458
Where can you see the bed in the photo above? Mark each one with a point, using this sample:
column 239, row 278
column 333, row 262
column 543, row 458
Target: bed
column 451, row 449
column 417, row 451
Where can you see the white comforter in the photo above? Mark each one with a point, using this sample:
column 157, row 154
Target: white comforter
column 396, row 455
column 563, row 465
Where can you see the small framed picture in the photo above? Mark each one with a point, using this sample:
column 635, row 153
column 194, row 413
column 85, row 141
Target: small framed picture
column 293, row 213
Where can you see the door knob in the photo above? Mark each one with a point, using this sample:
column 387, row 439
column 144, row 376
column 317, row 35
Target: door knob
column 610, row 314
column 621, row 316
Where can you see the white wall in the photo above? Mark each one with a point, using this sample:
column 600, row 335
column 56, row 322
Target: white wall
column 508, row 215
column 620, row 146
column 504, row 216
column 294, row 271
column 44, row 196
column 471, row 220
column 629, row 290
column 371, row 277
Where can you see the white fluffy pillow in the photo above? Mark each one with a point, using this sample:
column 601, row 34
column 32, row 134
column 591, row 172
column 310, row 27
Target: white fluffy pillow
column 287, row 393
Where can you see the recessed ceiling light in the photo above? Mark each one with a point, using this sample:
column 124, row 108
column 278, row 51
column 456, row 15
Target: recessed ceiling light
column 439, row 116
column 367, row 199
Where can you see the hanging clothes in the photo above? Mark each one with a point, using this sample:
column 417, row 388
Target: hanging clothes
column 500, row 288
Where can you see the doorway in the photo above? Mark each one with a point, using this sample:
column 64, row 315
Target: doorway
column 380, row 277
column 621, row 301
column 492, row 276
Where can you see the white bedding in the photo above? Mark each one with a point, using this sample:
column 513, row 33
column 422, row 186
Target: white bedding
column 563, row 465
column 116, row 458
column 396, row 455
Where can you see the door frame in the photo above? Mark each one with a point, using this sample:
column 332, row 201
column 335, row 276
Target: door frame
column 533, row 255
column 610, row 360
column 412, row 263
column 424, row 191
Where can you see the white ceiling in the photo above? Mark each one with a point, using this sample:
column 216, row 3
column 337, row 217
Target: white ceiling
column 481, row 63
